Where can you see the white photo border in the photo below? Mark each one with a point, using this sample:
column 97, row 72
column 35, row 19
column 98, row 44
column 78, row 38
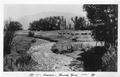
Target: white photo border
column 28, row 74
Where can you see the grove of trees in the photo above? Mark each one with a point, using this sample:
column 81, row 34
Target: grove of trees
column 59, row 23
column 49, row 23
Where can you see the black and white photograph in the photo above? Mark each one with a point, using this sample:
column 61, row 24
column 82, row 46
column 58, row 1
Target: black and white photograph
column 60, row 38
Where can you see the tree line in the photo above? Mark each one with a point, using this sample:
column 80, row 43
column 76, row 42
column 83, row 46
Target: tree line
column 59, row 23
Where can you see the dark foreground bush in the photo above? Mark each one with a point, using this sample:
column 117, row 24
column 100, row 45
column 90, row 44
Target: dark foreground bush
column 109, row 60
column 93, row 58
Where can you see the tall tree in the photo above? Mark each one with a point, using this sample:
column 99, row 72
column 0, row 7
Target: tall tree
column 106, row 14
column 9, row 30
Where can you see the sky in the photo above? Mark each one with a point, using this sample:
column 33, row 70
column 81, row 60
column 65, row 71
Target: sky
column 19, row 10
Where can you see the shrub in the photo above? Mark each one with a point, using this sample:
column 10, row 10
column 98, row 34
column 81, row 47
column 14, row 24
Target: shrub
column 19, row 62
column 21, row 52
column 23, row 60
column 31, row 34
column 62, row 48
column 55, row 50
column 33, row 41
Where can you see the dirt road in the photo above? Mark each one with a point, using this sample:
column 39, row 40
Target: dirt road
column 47, row 60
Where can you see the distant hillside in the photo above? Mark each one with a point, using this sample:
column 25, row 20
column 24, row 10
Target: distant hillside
column 27, row 19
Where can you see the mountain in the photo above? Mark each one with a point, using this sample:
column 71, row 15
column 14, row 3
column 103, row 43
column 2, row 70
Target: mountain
column 30, row 18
